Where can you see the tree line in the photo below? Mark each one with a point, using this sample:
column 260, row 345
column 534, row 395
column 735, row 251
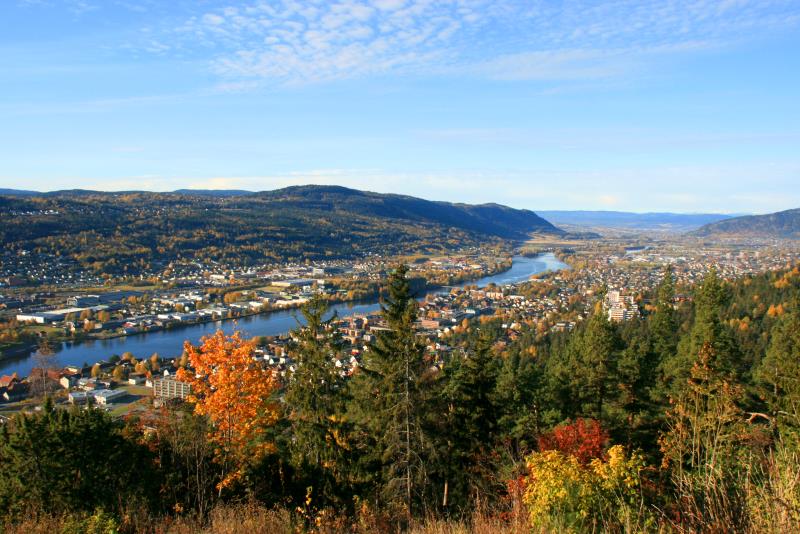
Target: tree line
column 685, row 419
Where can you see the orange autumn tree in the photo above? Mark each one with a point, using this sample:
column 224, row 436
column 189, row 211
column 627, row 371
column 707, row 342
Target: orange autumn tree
column 235, row 392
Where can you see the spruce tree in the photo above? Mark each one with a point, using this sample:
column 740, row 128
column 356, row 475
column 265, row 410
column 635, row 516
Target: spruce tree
column 779, row 371
column 710, row 301
column 518, row 402
column 709, row 305
column 636, row 410
column 389, row 402
column 60, row 461
column 664, row 337
column 704, row 446
column 593, row 364
column 664, row 322
column 315, row 402
column 469, row 423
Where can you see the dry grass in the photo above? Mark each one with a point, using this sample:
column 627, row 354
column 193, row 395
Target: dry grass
column 254, row 518
column 236, row 519
column 478, row 524
column 34, row 525
column 772, row 505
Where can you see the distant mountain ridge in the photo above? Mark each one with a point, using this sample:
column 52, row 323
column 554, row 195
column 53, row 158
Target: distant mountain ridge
column 18, row 192
column 779, row 225
column 214, row 192
column 118, row 230
column 664, row 221
column 493, row 219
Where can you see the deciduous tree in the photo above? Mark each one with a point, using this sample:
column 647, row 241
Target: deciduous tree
column 235, row 391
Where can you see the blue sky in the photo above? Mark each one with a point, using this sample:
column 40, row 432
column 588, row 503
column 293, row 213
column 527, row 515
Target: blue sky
column 673, row 105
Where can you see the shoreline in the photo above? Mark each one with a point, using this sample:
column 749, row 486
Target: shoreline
column 30, row 350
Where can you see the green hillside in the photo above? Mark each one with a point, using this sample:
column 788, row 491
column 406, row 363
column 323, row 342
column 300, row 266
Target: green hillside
column 114, row 231
column 783, row 225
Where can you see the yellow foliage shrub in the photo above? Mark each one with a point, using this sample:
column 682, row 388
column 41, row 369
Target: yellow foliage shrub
column 563, row 495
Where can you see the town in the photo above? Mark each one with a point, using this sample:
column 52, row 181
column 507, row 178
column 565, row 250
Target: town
column 549, row 301
column 399, row 266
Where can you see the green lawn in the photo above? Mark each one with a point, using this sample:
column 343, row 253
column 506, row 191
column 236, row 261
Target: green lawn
column 140, row 391
column 44, row 328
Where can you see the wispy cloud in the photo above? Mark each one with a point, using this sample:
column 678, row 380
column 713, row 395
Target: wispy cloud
column 296, row 42
column 291, row 42
column 577, row 63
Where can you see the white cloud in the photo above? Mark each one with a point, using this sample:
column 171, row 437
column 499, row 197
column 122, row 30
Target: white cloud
column 213, row 19
column 555, row 65
column 290, row 42
column 389, row 5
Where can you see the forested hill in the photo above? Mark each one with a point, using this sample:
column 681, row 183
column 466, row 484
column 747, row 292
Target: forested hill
column 783, row 224
column 109, row 230
column 491, row 219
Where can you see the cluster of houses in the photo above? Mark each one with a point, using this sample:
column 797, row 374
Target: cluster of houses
column 643, row 268
column 85, row 312
column 80, row 306
column 83, row 389
column 628, row 276
column 439, row 314
column 12, row 389
column 290, row 285
column 212, row 274
column 621, row 307
column 22, row 267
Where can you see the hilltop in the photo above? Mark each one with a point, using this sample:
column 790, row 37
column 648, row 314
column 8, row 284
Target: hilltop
column 18, row 192
column 780, row 225
column 119, row 231
column 489, row 219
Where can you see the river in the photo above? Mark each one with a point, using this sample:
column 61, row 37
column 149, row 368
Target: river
column 169, row 343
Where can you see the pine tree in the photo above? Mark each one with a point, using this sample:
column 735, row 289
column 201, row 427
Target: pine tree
column 559, row 401
column 315, row 402
column 633, row 415
column 664, row 337
column 709, row 305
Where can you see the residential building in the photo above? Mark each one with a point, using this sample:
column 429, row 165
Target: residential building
column 169, row 388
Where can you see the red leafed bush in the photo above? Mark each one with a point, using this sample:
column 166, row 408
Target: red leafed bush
column 584, row 439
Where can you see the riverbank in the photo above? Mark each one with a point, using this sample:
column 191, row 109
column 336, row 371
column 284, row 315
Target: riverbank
column 375, row 292
column 16, row 351
column 169, row 342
